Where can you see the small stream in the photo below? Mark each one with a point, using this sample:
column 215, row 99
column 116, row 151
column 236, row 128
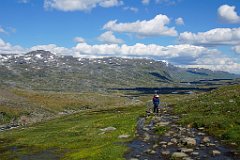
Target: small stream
column 178, row 142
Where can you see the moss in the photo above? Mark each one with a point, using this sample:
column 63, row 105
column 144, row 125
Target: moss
column 79, row 134
column 161, row 129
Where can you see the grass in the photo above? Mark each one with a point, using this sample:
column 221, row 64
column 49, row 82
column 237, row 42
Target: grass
column 161, row 129
column 217, row 111
column 15, row 103
column 78, row 135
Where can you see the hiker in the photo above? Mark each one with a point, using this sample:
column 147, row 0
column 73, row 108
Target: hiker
column 156, row 102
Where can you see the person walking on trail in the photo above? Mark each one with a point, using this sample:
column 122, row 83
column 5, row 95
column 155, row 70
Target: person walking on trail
column 156, row 102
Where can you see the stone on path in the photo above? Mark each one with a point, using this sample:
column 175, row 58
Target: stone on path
column 212, row 144
column 108, row 129
column 162, row 142
column 206, row 139
column 201, row 145
column 123, row 136
column 155, row 145
column 215, row 152
column 201, row 134
column 186, row 150
column 195, row 153
column 164, row 146
column 152, row 152
column 174, row 140
column 189, row 141
column 179, row 155
column 146, row 137
column 169, row 143
column 201, row 128
column 165, row 153
column 162, row 124
column 146, row 129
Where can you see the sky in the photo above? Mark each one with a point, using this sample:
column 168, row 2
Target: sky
column 186, row 33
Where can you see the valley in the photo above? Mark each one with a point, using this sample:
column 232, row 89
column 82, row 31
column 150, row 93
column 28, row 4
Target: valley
column 67, row 108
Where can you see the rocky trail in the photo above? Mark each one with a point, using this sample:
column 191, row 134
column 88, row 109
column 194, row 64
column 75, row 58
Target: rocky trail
column 178, row 142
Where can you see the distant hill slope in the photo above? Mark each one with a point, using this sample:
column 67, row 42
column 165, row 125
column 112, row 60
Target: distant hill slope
column 43, row 70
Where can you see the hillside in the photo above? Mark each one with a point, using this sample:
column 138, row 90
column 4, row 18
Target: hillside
column 22, row 107
column 42, row 70
column 217, row 112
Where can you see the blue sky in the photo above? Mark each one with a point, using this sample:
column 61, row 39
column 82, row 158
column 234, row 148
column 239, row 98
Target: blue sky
column 188, row 33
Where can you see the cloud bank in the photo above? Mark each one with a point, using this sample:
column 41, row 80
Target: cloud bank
column 145, row 28
column 218, row 36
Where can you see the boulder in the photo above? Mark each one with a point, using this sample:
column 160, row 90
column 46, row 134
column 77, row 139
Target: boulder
column 215, row 152
column 179, row 155
column 189, row 141
column 206, row 139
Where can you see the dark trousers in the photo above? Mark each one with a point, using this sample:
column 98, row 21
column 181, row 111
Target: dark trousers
column 155, row 109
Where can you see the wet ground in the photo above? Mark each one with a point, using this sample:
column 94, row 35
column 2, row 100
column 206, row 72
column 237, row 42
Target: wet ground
column 177, row 142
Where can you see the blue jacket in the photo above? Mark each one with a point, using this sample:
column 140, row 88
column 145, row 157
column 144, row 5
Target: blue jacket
column 155, row 101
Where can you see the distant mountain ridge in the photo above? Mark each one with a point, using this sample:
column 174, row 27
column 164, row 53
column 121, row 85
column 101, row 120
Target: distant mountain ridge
column 43, row 70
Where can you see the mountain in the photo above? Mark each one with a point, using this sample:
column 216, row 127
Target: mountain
column 42, row 70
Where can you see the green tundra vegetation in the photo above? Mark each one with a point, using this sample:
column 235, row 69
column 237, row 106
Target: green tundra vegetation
column 15, row 103
column 78, row 136
column 217, row 111
column 81, row 135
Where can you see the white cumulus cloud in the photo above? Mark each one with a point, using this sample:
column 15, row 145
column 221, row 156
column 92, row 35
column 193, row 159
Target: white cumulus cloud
column 228, row 14
column 141, row 50
column 80, row 5
column 236, row 49
column 7, row 48
column 218, row 36
column 179, row 21
column 108, row 37
column 146, row 28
